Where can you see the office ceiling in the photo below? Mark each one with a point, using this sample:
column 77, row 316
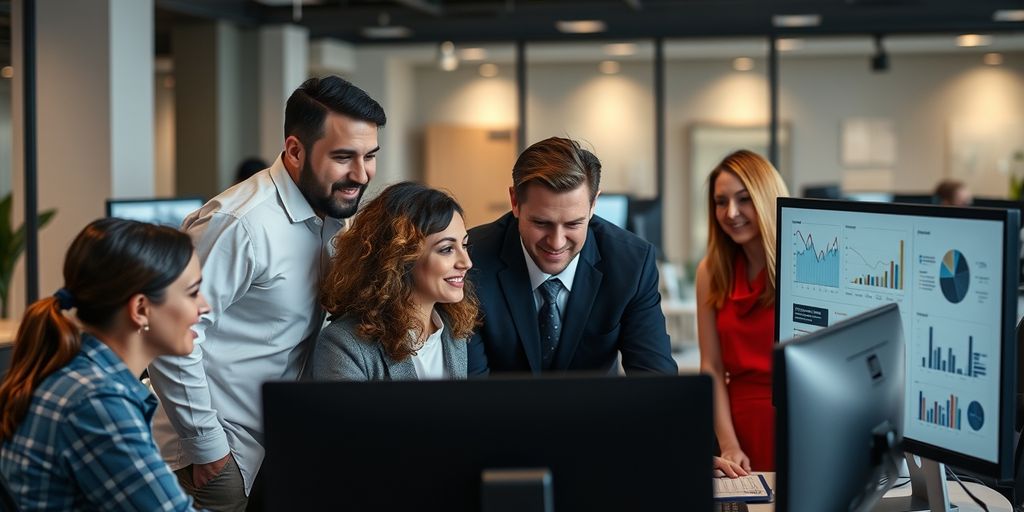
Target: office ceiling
column 504, row 20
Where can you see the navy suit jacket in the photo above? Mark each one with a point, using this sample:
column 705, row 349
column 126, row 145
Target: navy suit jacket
column 614, row 305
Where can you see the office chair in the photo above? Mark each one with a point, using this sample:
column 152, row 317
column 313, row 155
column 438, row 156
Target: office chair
column 7, row 503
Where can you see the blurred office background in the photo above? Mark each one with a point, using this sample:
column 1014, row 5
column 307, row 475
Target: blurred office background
column 163, row 98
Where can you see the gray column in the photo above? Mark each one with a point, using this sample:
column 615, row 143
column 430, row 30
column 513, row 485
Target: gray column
column 95, row 118
column 283, row 64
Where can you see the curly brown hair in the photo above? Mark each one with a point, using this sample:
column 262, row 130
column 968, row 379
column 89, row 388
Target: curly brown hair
column 370, row 276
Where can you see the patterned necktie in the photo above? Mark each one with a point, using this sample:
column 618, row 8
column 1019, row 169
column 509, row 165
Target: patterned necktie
column 549, row 319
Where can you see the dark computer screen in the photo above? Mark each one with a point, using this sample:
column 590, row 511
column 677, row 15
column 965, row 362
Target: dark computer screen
column 953, row 273
column 166, row 211
column 633, row 443
column 839, row 399
column 822, row 191
column 915, row 198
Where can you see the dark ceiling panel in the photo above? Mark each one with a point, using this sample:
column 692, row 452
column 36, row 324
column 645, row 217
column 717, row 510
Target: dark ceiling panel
column 493, row 20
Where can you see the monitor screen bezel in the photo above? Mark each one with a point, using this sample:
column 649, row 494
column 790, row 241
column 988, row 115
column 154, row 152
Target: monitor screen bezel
column 111, row 202
column 1003, row 470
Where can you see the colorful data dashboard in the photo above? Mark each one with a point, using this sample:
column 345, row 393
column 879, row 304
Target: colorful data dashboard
column 945, row 274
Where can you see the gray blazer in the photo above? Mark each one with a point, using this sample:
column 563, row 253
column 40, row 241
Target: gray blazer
column 341, row 353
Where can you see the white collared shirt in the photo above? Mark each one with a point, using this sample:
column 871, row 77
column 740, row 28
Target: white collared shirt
column 537, row 278
column 429, row 359
column 262, row 250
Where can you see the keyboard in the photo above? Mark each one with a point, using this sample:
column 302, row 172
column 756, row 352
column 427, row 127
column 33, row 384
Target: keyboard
column 730, row 506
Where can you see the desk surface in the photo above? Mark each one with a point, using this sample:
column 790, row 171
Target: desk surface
column 996, row 502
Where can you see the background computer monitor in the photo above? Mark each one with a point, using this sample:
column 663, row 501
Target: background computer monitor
column 986, row 202
column 613, row 208
column 915, row 198
column 872, row 197
column 839, row 412
column 633, row 443
column 822, row 191
column 953, row 272
column 166, row 211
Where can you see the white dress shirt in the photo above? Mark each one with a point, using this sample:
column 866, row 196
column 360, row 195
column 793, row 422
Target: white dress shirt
column 262, row 250
column 537, row 278
column 429, row 359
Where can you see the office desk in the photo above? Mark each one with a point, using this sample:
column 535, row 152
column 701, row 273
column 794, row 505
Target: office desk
column 996, row 502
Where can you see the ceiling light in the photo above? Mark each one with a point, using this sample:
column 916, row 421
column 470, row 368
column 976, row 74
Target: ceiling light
column 488, row 70
column 788, row 44
column 796, row 20
column 620, row 49
column 972, row 40
column 609, row 67
column 743, row 64
column 446, row 58
column 581, row 26
column 388, row 32
column 7, row 72
column 1008, row 15
column 472, row 54
column 993, row 59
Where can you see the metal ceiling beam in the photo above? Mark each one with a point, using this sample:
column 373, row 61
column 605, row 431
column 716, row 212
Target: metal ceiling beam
column 424, row 6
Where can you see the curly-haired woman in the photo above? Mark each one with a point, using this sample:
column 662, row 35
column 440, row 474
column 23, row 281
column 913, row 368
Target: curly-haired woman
column 400, row 306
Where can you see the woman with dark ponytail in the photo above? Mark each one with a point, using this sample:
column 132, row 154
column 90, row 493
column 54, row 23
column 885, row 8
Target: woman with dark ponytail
column 74, row 418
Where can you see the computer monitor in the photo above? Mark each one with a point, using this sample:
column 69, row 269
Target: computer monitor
column 822, row 191
column 838, row 394
column 870, row 197
column 613, row 208
column 914, row 198
column 163, row 211
column 953, row 272
column 628, row 443
column 986, row 202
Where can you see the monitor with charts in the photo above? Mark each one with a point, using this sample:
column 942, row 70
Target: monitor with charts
column 164, row 211
column 953, row 273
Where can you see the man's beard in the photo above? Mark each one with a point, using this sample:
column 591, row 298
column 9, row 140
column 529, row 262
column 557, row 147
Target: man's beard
column 337, row 208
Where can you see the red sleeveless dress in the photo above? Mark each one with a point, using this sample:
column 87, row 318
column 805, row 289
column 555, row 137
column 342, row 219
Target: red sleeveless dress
column 746, row 332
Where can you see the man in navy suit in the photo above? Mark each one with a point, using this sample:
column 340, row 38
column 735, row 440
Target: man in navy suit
column 561, row 289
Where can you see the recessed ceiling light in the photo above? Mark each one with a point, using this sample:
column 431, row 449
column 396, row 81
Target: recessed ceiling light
column 972, row 40
column 609, row 67
column 472, row 54
column 488, row 70
column 1008, row 15
column 788, row 44
column 388, row 32
column 620, row 49
column 796, row 20
column 581, row 26
column 743, row 64
column 993, row 59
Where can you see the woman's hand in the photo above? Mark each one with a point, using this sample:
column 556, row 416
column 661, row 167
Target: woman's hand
column 737, row 456
column 729, row 468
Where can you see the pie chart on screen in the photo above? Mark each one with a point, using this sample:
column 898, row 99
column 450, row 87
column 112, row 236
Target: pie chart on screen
column 954, row 276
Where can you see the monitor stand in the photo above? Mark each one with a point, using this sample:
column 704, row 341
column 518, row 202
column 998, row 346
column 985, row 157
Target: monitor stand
column 928, row 489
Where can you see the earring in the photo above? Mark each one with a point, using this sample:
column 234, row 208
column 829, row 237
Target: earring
column 144, row 328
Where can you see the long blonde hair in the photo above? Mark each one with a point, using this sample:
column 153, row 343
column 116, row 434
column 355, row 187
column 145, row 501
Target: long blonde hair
column 764, row 184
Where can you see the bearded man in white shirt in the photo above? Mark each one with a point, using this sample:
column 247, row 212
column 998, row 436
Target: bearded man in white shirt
column 264, row 245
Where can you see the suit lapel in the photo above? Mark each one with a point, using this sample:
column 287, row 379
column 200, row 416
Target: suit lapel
column 515, row 287
column 398, row 370
column 581, row 299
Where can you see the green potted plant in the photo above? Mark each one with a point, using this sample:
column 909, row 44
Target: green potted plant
column 12, row 244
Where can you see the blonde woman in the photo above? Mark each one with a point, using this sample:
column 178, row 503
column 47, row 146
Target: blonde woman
column 735, row 306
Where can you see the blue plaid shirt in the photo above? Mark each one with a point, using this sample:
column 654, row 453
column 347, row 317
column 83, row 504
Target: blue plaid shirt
column 86, row 442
